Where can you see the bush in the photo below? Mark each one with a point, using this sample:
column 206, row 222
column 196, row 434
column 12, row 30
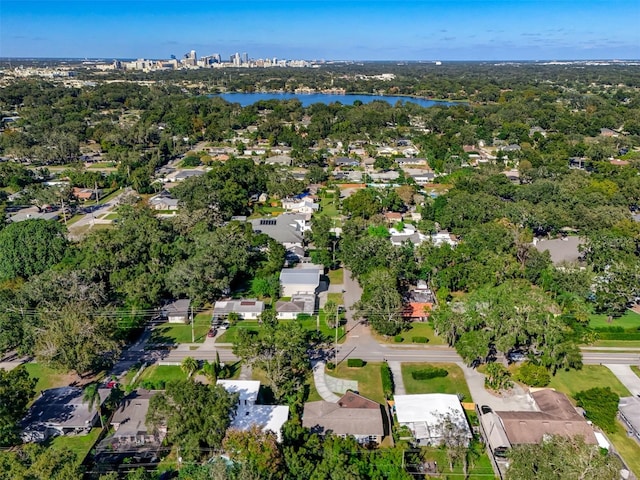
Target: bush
column 428, row 373
column 419, row 339
column 387, row 379
column 331, row 366
column 533, row 375
column 398, row 339
column 355, row 362
column 601, row 406
column 153, row 385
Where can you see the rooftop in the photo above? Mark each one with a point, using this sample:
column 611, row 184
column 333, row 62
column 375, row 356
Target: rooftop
column 351, row 415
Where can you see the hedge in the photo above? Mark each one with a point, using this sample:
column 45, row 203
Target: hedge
column 355, row 362
column 419, row 339
column 398, row 339
column 618, row 336
column 429, row 372
column 387, row 379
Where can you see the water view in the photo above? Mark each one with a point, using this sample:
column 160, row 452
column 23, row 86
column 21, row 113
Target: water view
column 307, row 99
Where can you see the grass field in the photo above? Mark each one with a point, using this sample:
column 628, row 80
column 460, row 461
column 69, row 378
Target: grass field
column 627, row 447
column 454, row 383
column 329, row 206
column 337, row 298
column 368, row 378
column 336, row 277
column 416, row 329
column 47, row 378
column 164, row 373
column 629, row 320
column 636, row 370
column 632, row 344
column 81, row 445
column 181, row 332
column 589, row 376
column 309, row 324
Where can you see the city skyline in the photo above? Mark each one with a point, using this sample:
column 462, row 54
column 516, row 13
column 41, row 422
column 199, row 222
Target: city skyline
column 349, row 30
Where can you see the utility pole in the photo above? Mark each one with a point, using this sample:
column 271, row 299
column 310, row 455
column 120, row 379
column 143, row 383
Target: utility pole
column 193, row 334
column 336, row 342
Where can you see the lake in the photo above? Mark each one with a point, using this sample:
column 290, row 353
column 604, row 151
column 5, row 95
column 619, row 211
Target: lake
column 307, row 99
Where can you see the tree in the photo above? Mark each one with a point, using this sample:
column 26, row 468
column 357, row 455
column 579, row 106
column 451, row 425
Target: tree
column 35, row 462
column 30, row 247
column 455, row 439
column 533, row 375
column 381, row 303
column 189, row 366
column 258, row 449
column 601, row 406
column 16, row 392
column 281, row 353
column 196, row 415
column 560, row 458
column 498, row 377
column 91, row 396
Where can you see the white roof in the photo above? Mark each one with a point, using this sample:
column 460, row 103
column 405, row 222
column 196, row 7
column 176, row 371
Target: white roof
column 424, row 413
column 268, row 417
column 602, row 440
column 248, row 389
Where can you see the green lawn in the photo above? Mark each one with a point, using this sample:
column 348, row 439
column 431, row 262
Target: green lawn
column 631, row 344
column 166, row 373
column 416, row 329
column 454, row 383
column 336, row 277
column 629, row 320
column 112, row 216
column 309, row 324
column 479, row 470
column 329, row 206
column 47, row 377
column 368, row 378
column 627, row 447
column 181, row 332
column 590, row 376
column 337, row 298
column 81, row 445
column 636, row 370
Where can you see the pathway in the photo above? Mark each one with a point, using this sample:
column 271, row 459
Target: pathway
column 321, row 383
column 626, row 376
column 398, row 383
column 340, row 385
column 246, row 373
column 516, row 399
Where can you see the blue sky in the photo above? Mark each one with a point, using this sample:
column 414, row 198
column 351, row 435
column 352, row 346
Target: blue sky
column 348, row 29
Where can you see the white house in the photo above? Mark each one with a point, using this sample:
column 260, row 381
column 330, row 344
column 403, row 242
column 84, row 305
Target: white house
column 178, row 311
column 300, row 304
column 249, row 413
column 304, row 278
column 247, row 309
column 425, row 415
column 300, row 206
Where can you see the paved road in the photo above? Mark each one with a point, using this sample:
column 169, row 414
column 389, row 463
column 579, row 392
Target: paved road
column 102, row 209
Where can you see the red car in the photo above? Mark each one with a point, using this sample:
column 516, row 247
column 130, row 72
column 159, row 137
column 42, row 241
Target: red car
column 212, row 332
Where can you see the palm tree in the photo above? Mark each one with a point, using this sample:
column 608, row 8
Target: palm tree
column 189, row 366
column 91, row 395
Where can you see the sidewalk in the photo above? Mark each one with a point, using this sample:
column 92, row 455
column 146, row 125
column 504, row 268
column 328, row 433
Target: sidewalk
column 321, row 384
column 398, row 383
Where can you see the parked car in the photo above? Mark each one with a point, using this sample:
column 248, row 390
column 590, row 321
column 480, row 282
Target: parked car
column 212, row 332
column 514, row 357
column 224, row 325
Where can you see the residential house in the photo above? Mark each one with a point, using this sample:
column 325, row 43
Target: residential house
column 304, row 278
column 249, row 413
column 297, row 205
column 393, row 217
column 163, row 201
column 403, row 162
column 130, row 426
column 300, row 304
column 353, row 415
column 443, row 237
column 389, row 176
column 510, row 148
column 425, row 416
column 61, row 411
column 407, row 234
column 629, row 409
column 247, row 309
column 182, row 175
column 287, row 229
column 420, row 176
column 553, row 415
column 540, row 130
column 346, row 162
column 177, row 311
column 279, row 160
column 84, row 194
column 419, row 302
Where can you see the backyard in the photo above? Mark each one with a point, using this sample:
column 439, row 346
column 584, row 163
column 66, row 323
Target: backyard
column 454, row 383
column 81, row 445
column 479, row 463
column 630, row 319
column 573, row 381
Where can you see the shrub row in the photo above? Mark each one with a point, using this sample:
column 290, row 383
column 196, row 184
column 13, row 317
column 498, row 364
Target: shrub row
column 419, row 339
column 355, row 362
column 398, row 339
column 618, row 336
column 429, row 372
column 387, row 379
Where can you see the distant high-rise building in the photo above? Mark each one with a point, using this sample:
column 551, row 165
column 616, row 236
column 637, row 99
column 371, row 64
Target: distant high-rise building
column 235, row 59
column 245, row 58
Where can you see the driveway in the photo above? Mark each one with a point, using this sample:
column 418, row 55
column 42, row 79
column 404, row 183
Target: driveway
column 626, row 376
column 517, row 399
